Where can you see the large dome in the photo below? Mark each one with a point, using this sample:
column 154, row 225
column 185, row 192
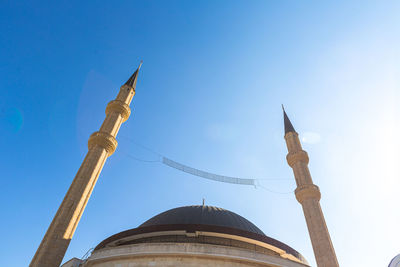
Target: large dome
column 201, row 225
column 204, row 215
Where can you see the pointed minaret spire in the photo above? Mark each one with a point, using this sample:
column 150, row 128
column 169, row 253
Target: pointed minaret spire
column 101, row 145
column 308, row 195
column 288, row 125
column 131, row 82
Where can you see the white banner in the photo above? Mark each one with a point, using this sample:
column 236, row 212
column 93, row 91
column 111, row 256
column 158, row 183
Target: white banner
column 207, row 175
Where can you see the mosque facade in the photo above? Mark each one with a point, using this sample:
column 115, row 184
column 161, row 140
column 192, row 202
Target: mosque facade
column 190, row 236
column 193, row 236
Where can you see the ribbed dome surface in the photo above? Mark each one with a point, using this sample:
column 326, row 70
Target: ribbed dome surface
column 205, row 215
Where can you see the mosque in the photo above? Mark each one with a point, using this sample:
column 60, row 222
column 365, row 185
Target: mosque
column 190, row 236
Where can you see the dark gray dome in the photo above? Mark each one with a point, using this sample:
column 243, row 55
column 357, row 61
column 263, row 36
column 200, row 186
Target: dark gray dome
column 203, row 215
column 177, row 224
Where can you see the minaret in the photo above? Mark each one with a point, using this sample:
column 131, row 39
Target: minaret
column 101, row 145
column 309, row 195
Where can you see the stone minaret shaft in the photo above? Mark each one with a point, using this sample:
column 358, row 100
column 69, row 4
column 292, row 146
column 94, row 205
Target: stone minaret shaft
column 101, row 145
column 309, row 195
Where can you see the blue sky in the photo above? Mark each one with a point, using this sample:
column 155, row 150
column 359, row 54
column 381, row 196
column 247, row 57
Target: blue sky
column 209, row 93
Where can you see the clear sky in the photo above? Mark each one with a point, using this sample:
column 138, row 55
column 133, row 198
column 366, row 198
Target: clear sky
column 209, row 93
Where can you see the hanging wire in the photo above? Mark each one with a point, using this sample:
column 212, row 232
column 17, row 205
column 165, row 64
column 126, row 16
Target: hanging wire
column 141, row 145
column 273, row 191
column 141, row 160
column 196, row 172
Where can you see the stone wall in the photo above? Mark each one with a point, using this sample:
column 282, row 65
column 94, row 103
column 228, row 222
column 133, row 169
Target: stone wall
column 184, row 255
